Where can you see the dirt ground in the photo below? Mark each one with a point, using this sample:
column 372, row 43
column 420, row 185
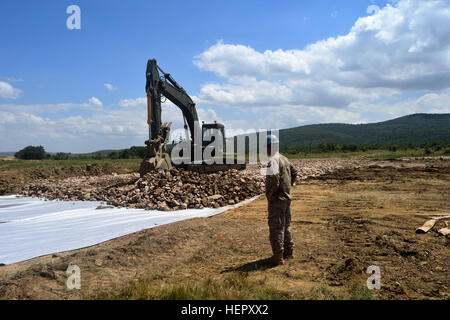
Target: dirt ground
column 13, row 179
column 342, row 223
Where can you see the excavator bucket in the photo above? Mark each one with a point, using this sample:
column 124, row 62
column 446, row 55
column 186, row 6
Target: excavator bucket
column 157, row 157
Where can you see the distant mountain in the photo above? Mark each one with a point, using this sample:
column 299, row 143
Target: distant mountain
column 7, row 154
column 415, row 129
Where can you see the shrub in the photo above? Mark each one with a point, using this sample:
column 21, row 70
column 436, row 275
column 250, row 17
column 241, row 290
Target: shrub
column 61, row 156
column 31, row 153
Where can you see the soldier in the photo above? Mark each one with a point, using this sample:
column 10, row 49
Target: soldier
column 280, row 177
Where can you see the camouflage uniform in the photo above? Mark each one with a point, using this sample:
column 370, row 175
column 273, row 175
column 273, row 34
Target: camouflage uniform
column 278, row 192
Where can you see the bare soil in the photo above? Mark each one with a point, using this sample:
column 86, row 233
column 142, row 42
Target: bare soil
column 342, row 223
column 12, row 180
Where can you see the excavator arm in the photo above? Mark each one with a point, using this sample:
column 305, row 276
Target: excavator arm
column 185, row 103
column 153, row 100
column 168, row 87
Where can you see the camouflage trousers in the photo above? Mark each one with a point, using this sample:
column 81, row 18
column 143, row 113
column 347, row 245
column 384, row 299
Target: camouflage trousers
column 279, row 227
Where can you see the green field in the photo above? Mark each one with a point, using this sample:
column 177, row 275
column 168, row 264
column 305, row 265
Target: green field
column 372, row 154
column 130, row 164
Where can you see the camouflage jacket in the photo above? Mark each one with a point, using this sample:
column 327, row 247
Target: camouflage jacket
column 280, row 177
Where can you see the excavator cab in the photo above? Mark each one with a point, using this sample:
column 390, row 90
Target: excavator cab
column 211, row 131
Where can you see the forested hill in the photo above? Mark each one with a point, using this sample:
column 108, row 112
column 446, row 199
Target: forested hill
column 412, row 129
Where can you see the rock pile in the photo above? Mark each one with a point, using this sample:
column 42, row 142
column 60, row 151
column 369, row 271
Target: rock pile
column 175, row 189
column 310, row 168
column 12, row 180
column 166, row 190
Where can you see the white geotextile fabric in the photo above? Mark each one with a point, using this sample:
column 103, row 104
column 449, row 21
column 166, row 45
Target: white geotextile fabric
column 31, row 227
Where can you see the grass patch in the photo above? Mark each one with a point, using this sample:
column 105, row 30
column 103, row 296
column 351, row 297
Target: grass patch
column 322, row 292
column 372, row 154
column 360, row 291
column 131, row 164
column 233, row 286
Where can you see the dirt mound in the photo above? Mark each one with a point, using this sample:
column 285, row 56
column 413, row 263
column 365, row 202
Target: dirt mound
column 12, row 180
column 172, row 189
column 388, row 171
column 344, row 269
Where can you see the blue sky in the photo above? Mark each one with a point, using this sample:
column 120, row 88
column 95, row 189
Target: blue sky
column 250, row 64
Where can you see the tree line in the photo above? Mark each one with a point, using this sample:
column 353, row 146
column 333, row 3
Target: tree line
column 39, row 153
column 330, row 147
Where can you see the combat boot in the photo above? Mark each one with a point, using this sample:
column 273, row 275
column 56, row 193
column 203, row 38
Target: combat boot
column 288, row 255
column 275, row 260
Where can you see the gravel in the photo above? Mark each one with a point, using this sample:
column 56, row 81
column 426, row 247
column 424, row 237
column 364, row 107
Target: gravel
column 174, row 189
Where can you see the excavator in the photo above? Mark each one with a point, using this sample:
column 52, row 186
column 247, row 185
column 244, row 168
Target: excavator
column 196, row 140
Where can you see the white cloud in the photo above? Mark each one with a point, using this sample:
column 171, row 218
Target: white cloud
column 404, row 47
column 13, row 79
column 110, row 87
column 373, row 9
column 427, row 103
column 282, row 116
column 246, row 91
column 92, row 104
column 231, row 61
column 7, row 91
column 137, row 102
column 169, row 111
column 95, row 102
column 103, row 128
column 288, row 116
column 207, row 115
